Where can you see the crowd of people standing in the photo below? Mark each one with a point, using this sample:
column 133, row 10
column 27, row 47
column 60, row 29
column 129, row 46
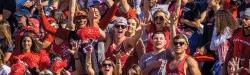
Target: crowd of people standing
column 124, row 37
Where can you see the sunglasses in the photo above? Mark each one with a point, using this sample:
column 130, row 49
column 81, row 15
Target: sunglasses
column 109, row 65
column 120, row 26
column 180, row 43
column 159, row 17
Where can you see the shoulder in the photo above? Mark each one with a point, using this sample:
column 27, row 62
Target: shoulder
column 191, row 61
column 146, row 56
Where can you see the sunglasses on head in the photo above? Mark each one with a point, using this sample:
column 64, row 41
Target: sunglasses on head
column 180, row 43
column 120, row 26
column 109, row 65
column 159, row 17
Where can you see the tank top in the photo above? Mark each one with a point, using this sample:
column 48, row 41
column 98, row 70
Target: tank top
column 179, row 70
column 111, row 50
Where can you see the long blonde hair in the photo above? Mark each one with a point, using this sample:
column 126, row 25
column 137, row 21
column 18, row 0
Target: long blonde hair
column 223, row 19
column 5, row 32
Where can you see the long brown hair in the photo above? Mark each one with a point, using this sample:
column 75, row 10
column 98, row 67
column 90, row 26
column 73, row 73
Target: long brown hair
column 223, row 19
column 35, row 47
column 5, row 31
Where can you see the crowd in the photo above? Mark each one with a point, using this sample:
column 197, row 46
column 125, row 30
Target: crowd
column 124, row 37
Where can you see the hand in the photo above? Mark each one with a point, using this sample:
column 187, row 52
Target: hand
column 39, row 6
column 201, row 50
column 233, row 67
column 248, row 69
column 28, row 4
column 89, row 49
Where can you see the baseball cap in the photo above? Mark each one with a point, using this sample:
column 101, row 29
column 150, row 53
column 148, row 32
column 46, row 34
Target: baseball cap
column 120, row 21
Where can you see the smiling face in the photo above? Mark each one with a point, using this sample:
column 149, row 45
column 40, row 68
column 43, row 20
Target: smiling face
column 180, row 45
column 159, row 41
column 246, row 22
column 26, row 43
column 160, row 20
column 119, row 30
column 107, row 67
column 132, row 25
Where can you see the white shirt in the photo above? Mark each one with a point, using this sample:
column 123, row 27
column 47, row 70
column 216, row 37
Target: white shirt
column 5, row 70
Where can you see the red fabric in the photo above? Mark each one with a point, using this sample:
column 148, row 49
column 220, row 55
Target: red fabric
column 130, row 14
column 149, row 47
column 87, row 33
column 62, row 33
column 49, row 37
column 60, row 49
column 179, row 70
column 111, row 51
column 108, row 17
column 39, row 60
column 226, row 4
column 241, row 48
column 202, row 57
column 18, row 69
column 44, row 60
column 58, row 65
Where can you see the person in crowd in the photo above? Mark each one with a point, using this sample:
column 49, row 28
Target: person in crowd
column 135, row 70
column 31, row 54
column 182, row 64
column 107, row 66
column 193, row 14
column 152, row 63
column 120, row 43
column 6, row 47
column 6, row 40
column 225, row 24
column 237, row 59
column 160, row 22
column 204, row 45
column 139, row 49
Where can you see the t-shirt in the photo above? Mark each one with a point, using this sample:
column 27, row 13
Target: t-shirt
column 149, row 57
column 5, row 70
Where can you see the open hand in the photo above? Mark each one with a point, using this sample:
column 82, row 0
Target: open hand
column 233, row 66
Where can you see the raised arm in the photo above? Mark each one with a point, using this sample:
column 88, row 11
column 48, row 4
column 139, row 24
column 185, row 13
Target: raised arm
column 72, row 9
column 134, row 39
column 62, row 33
column 125, row 5
column 88, row 63
column 108, row 16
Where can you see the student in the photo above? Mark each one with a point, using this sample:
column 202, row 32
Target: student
column 237, row 60
column 182, row 64
column 152, row 63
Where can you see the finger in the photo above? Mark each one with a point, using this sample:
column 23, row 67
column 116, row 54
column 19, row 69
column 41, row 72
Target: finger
column 230, row 63
column 238, row 70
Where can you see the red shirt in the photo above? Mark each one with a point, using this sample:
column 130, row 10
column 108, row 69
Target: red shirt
column 241, row 49
column 111, row 51
column 39, row 60
column 179, row 70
